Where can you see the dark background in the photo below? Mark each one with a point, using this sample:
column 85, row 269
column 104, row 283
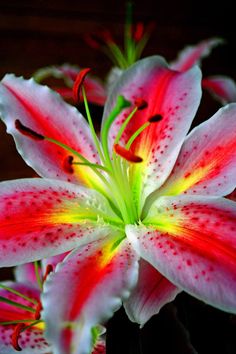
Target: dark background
column 34, row 34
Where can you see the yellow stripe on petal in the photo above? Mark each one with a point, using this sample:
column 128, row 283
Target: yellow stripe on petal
column 109, row 251
column 189, row 180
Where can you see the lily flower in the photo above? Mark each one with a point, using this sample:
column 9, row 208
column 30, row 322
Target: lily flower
column 221, row 87
column 95, row 89
column 142, row 209
column 21, row 324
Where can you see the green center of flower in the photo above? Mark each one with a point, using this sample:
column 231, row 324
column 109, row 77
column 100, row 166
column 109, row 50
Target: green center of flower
column 113, row 172
column 115, row 165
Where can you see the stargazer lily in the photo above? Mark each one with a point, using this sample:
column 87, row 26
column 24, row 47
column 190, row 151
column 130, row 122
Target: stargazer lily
column 222, row 88
column 21, row 327
column 142, row 209
column 21, row 324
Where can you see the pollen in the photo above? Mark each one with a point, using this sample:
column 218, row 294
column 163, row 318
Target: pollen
column 67, row 164
column 155, row 118
column 27, row 131
column 79, row 82
column 140, row 103
column 127, row 154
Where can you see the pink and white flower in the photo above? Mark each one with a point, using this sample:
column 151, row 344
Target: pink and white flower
column 142, row 209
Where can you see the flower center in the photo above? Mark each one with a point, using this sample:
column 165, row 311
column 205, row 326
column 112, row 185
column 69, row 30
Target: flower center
column 116, row 165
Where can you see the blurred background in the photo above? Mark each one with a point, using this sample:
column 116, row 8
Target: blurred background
column 38, row 33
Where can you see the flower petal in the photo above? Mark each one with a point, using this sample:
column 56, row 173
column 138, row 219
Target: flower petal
column 151, row 293
column 89, row 285
column 171, row 95
column 192, row 242
column 11, row 313
column 41, row 218
column 43, row 111
column 207, row 161
column 222, row 87
column 31, row 341
column 26, row 273
column 94, row 88
column 192, row 55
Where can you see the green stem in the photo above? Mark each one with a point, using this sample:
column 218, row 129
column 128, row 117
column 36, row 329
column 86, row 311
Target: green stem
column 121, row 103
column 121, row 61
column 128, row 42
column 136, row 134
column 38, row 277
column 92, row 165
column 16, row 321
column 81, row 157
column 92, row 129
column 31, row 325
column 18, row 293
column 16, row 304
column 124, row 125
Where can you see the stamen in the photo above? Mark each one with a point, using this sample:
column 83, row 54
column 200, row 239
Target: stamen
column 151, row 120
column 140, row 103
column 48, row 270
column 107, row 36
column 127, row 154
column 37, row 271
column 15, row 336
column 138, row 32
column 155, row 118
column 121, row 103
column 38, row 309
column 78, row 83
column 16, row 304
column 67, row 164
column 36, row 136
column 27, row 131
column 18, row 293
column 92, row 41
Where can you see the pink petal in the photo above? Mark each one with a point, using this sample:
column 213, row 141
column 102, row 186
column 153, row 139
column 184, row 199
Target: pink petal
column 192, row 55
column 41, row 218
column 207, row 162
column 175, row 96
column 31, row 341
column 43, row 111
column 89, row 285
column 94, row 88
column 222, row 87
column 151, row 293
column 191, row 241
column 26, row 273
column 11, row 313
column 54, row 260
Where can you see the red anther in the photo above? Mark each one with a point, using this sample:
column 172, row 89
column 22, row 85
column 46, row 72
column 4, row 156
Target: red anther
column 100, row 39
column 106, row 36
column 92, row 41
column 127, row 154
column 27, row 131
column 38, row 309
column 78, row 83
column 67, row 164
column 140, row 103
column 48, row 270
column 155, row 118
column 138, row 32
column 15, row 336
